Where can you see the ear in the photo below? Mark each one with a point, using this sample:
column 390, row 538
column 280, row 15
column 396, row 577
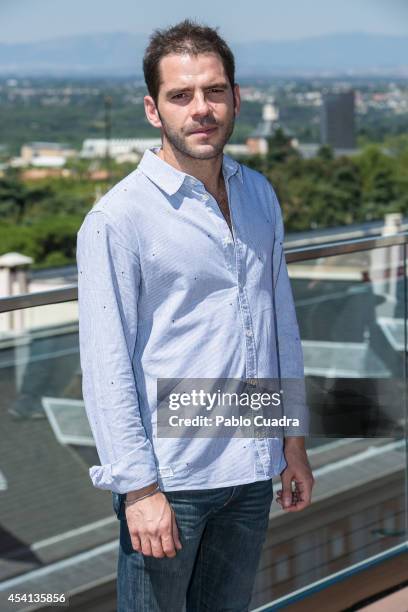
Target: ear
column 237, row 99
column 151, row 112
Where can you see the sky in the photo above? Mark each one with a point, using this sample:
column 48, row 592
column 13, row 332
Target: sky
column 239, row 20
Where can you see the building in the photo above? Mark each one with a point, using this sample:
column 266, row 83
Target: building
column 46, row 154
column 38, row 174
column 236, row 150
column 132, row 149
column 337, row 127
column 120, row 149
column 257, row 142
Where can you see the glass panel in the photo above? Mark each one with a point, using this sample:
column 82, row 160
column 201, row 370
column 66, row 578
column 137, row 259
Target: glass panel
column 351, row 310
column 48, row 507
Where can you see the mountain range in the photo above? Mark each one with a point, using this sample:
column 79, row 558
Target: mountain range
column 120, row 54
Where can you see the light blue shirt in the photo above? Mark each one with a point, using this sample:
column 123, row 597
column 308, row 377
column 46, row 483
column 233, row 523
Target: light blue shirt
column 165, row 291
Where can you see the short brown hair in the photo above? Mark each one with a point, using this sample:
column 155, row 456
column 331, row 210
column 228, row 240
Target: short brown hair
column 185, row 37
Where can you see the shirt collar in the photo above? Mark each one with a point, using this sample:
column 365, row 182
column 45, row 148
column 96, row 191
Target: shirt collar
column 169, row 178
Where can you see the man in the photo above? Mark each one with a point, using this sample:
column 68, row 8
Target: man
column 181, row 274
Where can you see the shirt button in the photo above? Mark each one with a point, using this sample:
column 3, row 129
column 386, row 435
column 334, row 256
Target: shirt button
column 205, row 197
column 248, row 332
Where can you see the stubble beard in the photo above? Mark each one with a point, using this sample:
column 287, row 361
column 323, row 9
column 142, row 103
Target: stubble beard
column 179, row 141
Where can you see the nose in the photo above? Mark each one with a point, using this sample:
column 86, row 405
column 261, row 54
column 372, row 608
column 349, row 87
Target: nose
column 200, row 105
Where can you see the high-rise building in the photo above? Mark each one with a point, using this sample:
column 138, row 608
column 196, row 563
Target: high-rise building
column 337, row 120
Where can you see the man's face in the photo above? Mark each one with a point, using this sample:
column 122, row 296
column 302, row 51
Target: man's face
column 196, row 106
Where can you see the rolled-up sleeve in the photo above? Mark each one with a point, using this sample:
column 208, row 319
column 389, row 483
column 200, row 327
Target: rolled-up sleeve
column 108, row 289
column 289, row 342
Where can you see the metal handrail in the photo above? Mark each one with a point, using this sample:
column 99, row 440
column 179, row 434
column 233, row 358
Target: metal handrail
column 70, row 293
column 342, row 247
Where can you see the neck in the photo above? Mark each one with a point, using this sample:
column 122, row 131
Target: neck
column 208, row 171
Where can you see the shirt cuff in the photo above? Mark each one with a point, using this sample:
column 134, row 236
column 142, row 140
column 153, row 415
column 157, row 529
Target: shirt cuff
column 133, row 471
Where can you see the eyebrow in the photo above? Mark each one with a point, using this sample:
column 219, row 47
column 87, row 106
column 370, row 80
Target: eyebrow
column 177, row 90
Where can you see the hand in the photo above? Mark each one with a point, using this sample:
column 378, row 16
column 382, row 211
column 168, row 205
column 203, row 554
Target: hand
column 152, row 526
column 298, row 469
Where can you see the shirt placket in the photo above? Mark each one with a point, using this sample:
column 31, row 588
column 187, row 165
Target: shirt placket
column 233, row 250
column 261, row 443
column 251, row 361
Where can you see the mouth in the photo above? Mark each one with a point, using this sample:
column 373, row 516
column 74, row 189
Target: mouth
column 205, row 131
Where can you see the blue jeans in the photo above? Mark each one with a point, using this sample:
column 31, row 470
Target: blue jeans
column 222, row 532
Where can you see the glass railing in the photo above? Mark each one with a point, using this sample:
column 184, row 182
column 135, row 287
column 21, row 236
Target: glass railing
column 351, row 301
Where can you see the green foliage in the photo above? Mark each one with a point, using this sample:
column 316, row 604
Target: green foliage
column 48, row 242
column 41, row 218
column 280, row 149
column 327, row 191
column 379, row 184
column 325, row 152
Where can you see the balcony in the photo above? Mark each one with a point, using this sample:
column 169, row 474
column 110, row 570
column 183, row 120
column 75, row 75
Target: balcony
column 59, row 534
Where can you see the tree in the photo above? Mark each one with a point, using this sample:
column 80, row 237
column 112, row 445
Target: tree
column 13, row 197
column 346, row 180
column 325, row 152
column 280, row 148
column 378, row 180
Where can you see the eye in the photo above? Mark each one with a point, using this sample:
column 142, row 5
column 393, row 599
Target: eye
column 179, row 96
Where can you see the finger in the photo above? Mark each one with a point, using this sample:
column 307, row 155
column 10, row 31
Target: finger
column 287, row 491
column 301, row 485
column 168, row 545
column 300, row 506
column 175, row 530
column 146, row 546
column 301, row 496
column 299, row 491
column 292, row 508
column 136, row 544
column 280, row 502
column 166, row 536
column 293, row 501
column 296, row 499
column 307, row 492
column 157, row 548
